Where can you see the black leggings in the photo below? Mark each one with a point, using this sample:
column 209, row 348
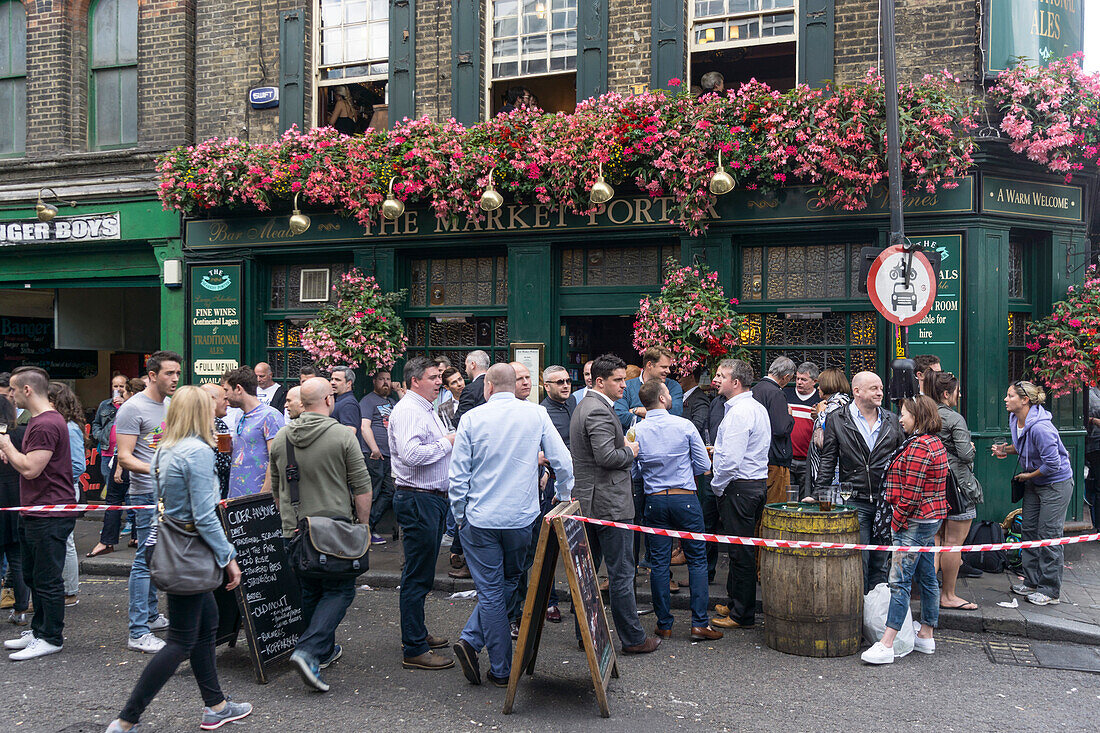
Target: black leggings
column 192, row 629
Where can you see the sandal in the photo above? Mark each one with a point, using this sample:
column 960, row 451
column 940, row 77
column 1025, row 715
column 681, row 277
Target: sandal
column 967, row 606
column 96, row 553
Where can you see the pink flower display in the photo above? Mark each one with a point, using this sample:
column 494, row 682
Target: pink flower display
column 1065, row 353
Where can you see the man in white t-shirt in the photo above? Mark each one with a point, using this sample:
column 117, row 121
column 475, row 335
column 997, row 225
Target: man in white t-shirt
column 268, row 392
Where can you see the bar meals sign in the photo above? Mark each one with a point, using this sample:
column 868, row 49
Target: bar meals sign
column 84, row 228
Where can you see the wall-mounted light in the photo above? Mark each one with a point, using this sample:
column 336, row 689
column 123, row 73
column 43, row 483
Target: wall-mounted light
column 299, row 222
column 391, row 207
column 721, row 182
column 491, row 200
column 46, row 212
column 173, row 273
column 601, row 192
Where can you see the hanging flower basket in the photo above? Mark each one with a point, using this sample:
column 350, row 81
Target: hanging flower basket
column 1065, row 356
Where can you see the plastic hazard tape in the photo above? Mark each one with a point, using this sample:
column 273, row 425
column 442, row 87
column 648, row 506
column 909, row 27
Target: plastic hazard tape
column 810, row 545
column 75, row 507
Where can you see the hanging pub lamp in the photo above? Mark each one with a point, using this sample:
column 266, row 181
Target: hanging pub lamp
column 601, row 192
column 391, row 207
column 491, row 200
column 299, row 222
column 721, row 182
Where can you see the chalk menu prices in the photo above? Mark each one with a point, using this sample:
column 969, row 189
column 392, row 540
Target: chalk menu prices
column 580, row 558
column 269, row 597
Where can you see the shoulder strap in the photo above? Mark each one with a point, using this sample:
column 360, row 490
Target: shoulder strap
column 293, row 475
column 155, row 470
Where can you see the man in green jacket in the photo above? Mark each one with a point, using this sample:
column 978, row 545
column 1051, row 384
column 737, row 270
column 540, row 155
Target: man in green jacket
column 333, row 479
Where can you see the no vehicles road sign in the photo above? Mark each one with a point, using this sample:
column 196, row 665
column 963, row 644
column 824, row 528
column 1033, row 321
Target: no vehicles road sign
column 901, row 302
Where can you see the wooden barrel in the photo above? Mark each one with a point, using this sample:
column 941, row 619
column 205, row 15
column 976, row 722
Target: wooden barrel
column 813, row 599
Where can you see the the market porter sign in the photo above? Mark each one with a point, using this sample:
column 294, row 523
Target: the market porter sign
column 1031, row 199
column 1039, row 31
column 215, row 321
column 86, row 228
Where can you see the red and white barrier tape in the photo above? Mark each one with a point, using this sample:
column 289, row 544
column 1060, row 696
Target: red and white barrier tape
column 75, row 507
column 810, row 545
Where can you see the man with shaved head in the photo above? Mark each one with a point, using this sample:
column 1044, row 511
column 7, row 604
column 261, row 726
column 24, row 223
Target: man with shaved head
column 294, row 406
column 860, row 440
column 332, row 479
column 267, row 390
column 494, row 494
column 523, row 380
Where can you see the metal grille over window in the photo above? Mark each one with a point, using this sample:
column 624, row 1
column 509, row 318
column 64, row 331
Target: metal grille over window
column 724, row 23
column 533, row 37
column 458, row 281
column 610, row 266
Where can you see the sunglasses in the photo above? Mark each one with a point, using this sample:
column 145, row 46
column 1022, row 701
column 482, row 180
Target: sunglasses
column 557, row 381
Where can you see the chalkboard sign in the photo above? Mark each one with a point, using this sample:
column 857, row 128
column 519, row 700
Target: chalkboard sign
column 269, row 597
column 562, row 536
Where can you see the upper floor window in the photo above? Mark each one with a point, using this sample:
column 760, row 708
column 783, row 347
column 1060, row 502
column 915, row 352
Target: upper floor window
column 533, row 48
column 113, row 66
column 353, row 48
column 13, row 78
column 743, row 40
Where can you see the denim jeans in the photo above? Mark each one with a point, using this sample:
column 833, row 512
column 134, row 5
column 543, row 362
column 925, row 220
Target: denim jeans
column 42, row 541
column 324, row 604
column 875, row 564
column 495, row 558
column 192, row 628
column 906, row 567
column 712, row 521
column 381, row 478
column 682, row 512
column 421, row 517
column 1043, row 518
column 143, row 594
column 114, row 495
column 70, row 573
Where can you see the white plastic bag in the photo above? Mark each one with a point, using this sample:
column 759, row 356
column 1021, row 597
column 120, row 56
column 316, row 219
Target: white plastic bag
column 876, row 604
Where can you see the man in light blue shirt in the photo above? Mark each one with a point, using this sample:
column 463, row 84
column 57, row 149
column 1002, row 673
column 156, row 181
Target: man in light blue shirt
column 740, row 482
column 656, row 363
column 494, row 494
column 670, row 455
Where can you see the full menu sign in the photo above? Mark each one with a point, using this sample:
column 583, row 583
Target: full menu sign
column 215, row 321
column 1037, row 31
column 940, row 332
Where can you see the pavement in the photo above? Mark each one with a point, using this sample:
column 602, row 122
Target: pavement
column 1075, row 619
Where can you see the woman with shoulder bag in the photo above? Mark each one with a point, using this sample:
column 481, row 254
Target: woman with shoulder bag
column 943, row 387
column 1048, row 487
column 915, row 485
column 183, row 469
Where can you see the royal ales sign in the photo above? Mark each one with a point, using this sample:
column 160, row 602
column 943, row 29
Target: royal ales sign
column 215, row 321
column 85, row 228
column 1037, row 31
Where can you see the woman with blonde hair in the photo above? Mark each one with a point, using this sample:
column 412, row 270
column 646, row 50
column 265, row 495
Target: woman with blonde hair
column 343, row 113
column 1047, row 476
column 183, row 473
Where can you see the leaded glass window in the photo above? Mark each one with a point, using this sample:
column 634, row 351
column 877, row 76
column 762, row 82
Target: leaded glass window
column 13, row 78
column 533, row 37
column 812, row 272
column 286, row 315
column 611, row 266
column 113, row 65
column 1015, row 269
column 1017, row 345
column 456, row 338
column 839, row 340
column 458, row 281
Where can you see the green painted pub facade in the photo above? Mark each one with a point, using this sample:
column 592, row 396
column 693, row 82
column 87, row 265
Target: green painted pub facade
column 1011, row 242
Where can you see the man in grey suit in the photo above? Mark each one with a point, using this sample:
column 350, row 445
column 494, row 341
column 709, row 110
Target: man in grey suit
column 601, row 467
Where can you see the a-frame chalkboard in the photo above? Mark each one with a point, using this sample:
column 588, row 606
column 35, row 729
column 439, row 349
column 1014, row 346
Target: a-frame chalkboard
column 560, row 536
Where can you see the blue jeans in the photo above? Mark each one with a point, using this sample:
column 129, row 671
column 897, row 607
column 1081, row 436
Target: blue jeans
column 143, row 594
column 421, row 517
column 682, row 512
column 875, row 563
column 907, row 566
column 495, row 558
column 324, row 604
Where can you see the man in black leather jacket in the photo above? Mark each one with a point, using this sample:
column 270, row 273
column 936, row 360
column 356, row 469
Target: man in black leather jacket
column 860, row 439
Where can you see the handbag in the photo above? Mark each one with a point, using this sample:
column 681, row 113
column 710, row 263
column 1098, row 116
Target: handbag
column 181, row 563
column 324, row 547
column 1018, row 484
column 955, row 499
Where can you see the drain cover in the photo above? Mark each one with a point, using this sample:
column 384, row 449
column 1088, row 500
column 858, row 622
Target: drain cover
column 1044, row 654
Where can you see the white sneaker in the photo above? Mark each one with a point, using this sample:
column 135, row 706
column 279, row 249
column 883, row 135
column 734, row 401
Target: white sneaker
column 37, row 648
column 147, row 643
column 878, row 654
column 1042, row 599
column 159, row 623
column 22, row 642
column 924, row 646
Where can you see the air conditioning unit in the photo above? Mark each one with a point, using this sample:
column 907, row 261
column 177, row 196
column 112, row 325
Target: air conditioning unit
column 314, row 286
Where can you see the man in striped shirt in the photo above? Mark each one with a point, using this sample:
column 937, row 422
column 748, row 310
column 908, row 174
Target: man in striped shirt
column 420, row 451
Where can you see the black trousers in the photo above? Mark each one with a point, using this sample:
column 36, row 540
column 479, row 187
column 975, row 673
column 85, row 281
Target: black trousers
column 741, row 507
column 42, row 540
column 192, row 629
column 712, row 521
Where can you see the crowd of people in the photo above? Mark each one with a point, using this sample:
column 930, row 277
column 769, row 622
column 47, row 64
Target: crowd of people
column 466, row 454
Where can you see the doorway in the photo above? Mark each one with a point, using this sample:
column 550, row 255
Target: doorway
column 587, row 337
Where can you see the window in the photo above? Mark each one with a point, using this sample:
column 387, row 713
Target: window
column 455, row 337
column 13, row 79
column 744, row 39
column 459, row 281
column 1021, row 305
column 113, row 64
column 353, row 44
column 614, row 266
column 845, row 341
column 534, row 46
column 810, row 272
column 292, row 302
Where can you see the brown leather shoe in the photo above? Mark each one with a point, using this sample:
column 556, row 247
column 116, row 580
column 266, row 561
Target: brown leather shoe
column 647, row 646
column 721, row 610
column 461, row 573
column 705, row 633
column 728, row 623
column 673, row 586
column 663, row 633
column 457, row 561
column 427, row 660
column 678, row 558
column 437, row 642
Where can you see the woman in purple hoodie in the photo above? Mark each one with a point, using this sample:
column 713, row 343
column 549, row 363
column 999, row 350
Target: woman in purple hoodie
column 1048, row 477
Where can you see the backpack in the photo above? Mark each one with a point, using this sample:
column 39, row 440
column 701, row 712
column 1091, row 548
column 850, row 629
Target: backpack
column 986, row 533
column 1014, row 530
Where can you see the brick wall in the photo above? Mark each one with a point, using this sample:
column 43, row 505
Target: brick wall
column 433, row 59
column 628, row 41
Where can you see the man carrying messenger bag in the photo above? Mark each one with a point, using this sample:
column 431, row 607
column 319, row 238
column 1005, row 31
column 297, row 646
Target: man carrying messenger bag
column 317, row 475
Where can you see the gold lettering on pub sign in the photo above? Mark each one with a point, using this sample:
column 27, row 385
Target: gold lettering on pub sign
column 1018, row 197
column 1048, row 24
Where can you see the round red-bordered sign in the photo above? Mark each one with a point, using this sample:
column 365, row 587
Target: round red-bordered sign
column 898, row 302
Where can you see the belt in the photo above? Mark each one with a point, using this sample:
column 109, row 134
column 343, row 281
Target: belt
column 672, row 492
column 421, row 491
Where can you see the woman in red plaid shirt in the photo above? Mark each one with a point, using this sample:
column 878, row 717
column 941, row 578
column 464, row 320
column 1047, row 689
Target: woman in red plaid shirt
column 916, row 486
